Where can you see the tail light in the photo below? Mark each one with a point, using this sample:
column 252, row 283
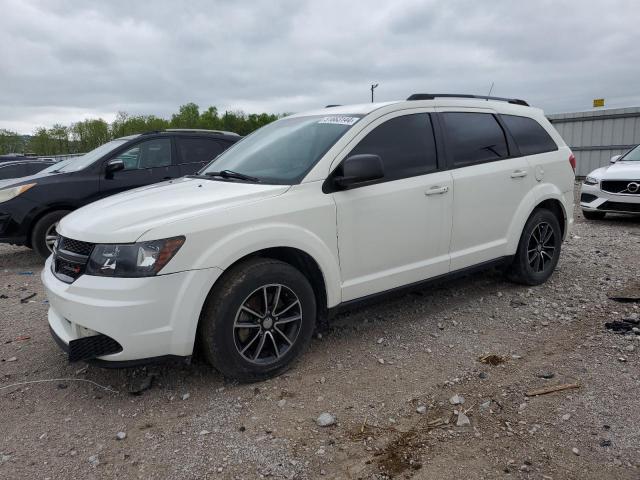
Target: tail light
column 572, row 162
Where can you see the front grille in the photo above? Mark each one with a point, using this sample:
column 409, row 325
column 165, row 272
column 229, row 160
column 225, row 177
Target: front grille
column 75, row 246
column 587, row 198
column 87, row 348
column 70, row 258
column 620, row 186
column 620, row 207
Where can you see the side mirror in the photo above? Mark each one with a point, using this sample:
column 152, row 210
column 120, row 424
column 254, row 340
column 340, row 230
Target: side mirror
column 359, row 169
column 615, row 158
column 115, row 166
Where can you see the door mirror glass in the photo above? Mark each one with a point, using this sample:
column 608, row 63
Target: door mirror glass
column 358, row 169
column 115, row 166
column 615, row 158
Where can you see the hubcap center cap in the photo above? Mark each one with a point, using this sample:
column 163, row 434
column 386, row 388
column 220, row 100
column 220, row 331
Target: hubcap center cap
column 539, row 247
column 267, row 323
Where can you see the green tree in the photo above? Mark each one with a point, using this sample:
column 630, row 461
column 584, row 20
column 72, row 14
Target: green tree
column 11, row 142
column 188, row 116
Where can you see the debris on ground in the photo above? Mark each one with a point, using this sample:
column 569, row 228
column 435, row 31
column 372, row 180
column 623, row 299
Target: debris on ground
column 492, row 359
column 624, row 326
column 421, row 409
column 551, row 389
column 631, row 294
column 325, row 420
column 137, row 385
column 456, row 400
column 463, row 420
column 121, row 435
column 27, row 298
column 546, row 375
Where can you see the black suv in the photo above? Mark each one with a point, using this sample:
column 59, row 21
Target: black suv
column 31, row 207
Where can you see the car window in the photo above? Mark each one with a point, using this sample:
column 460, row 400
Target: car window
column 35, row 167
column 199, row 150
column 529, row 135
column 632, row 156
column 474, row 138
column 150, row 154
column 12, row 171
column 405, row 144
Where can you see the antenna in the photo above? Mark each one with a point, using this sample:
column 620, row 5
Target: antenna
column 490, row 90
column 373, row 87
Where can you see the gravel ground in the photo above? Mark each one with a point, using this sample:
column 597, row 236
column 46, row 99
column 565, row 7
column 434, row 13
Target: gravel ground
column 375, row 369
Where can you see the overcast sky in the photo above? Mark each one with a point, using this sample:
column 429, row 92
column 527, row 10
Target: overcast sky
column 62, row 61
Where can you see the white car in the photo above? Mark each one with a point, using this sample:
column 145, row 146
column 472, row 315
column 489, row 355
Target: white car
column 309, row 214
column 613, row 189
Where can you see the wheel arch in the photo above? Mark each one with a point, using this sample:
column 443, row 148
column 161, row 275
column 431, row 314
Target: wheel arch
column 36, row 218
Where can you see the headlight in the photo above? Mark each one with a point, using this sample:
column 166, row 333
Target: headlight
column 591, row 180
column 143, row 259
column 9, row 193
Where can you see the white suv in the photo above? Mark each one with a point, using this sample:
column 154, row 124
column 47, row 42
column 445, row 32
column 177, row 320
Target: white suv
column 310, row 213
column 613, row 189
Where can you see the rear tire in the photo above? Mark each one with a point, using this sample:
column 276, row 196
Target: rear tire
column 44, row 232
column 593, row 215
column 538, row 251
column 249, row 327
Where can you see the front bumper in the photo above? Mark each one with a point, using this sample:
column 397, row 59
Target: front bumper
column 147, row 317
column 593, row 199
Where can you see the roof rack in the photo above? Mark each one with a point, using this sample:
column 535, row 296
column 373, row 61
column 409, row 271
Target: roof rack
column 432, row 96
column 219, row 132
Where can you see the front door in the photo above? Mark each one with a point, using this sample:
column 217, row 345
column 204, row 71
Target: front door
column 395, row 232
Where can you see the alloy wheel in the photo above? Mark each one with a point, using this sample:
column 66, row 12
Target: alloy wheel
column 267, row 324
column 541, row 247
column 51, row 236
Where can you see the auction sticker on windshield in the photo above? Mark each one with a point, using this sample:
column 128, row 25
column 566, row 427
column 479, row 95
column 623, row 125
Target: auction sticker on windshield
column 339, row 120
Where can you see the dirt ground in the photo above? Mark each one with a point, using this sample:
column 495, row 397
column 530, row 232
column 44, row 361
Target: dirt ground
column 373, row 369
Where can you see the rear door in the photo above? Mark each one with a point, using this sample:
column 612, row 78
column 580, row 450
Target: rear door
column 146, row 162
column 490, row 182
column 196, row 152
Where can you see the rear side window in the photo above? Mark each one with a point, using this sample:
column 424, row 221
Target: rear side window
column 474, row 138
column 199, row 150
column 406, row 145
column 529, row 135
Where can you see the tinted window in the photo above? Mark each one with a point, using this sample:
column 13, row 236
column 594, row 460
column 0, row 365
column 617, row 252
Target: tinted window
column 530, row 136
column 198, row 150
column 12, row 171
column 474, row 138
column 405, row 144
column 150, row 154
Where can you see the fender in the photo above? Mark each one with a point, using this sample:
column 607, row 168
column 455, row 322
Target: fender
column 535, row 196
column 229, row 249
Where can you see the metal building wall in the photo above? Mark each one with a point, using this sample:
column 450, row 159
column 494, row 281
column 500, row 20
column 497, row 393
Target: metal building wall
column 596, row 135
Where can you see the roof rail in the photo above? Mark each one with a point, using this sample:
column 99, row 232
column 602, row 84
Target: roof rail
column 202, row 130
column 432, row 96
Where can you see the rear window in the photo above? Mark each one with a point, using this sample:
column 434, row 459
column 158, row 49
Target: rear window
column 529, row 135
column 474, row 138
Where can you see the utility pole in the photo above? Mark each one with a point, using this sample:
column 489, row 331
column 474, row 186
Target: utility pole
column 373, row 87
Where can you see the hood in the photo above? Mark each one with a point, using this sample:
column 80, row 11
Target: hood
column 621, row 171
column 14, row 182
column 125, row 217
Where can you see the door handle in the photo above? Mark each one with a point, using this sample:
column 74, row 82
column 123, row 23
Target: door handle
column 518, row 173
column 437, row 190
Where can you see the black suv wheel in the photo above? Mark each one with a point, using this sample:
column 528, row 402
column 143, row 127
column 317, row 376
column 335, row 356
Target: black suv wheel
column 44, row 233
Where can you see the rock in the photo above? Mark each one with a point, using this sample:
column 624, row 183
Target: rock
column 282, row 403
column 485, row 405
column 204, row 432
column 94, row 461
column 622, row 359
column 381, row 361
column 421, row 409
column 605, row 443
column 440, row 326
column 463, row 420
column 121, row 435
column 456, row 400
column 544, row 323
column 137, row 385
column 630, row 348
column 482, row 375
column 325, row 420
column 516, row 357
column 575, row 451
column 566, row 417
column 186, row 396
column 380, row 340
column 12, row 359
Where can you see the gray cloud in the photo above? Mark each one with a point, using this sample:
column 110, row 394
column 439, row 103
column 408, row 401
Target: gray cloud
column 65, row 60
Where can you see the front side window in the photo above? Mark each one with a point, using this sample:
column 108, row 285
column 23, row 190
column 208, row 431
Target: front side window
column 529, row 135
column 150, row 154
column 284, row 151
column 474, row 138
column 632, row 156
column 405, row 144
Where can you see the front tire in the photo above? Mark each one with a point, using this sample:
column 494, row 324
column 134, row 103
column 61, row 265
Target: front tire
column 44, row 233
column 258, row 318
column 589, row 215
column 538, row 251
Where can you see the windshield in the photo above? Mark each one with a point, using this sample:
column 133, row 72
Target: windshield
column 87, row 159
column 57, row 166
column 632, row 156
column 284, row 151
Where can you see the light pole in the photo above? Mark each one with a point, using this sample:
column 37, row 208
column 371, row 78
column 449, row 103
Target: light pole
column 373, row 87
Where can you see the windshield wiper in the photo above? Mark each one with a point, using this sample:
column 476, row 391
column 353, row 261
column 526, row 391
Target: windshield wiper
column 232, row 174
